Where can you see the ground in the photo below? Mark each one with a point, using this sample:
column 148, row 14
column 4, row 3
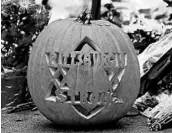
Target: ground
column 34, row 122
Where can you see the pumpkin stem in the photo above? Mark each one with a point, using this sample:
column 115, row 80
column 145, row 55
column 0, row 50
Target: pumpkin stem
column 85, row 17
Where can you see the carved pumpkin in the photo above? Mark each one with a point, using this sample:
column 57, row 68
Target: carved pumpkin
column 83, row 73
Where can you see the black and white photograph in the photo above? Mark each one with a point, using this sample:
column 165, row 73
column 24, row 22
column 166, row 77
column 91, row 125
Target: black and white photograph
column 86, row 66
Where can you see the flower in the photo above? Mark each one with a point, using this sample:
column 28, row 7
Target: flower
column 5, row 2
column 26, row 4
column 5, row 7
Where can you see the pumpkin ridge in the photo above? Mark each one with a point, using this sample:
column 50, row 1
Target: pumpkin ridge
column 133, row 53
column 52, row 37
column 41, row 51
column 35, row 51
column 66, row 37
column 132, row 56
column 127, row 43
column 51, row 31
column 114, row 42
column 118, row 39
column 104, row 39
column 73, row 39
column 95, row 27
column 63, row 36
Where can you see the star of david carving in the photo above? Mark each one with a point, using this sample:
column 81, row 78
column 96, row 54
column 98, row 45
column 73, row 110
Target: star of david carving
column 86, row 85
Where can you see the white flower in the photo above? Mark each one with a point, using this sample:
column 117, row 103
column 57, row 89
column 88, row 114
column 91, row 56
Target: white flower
column 25, row 4
column 5, row 2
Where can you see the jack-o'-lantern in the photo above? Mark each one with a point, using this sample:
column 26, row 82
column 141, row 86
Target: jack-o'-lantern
column 83, row 73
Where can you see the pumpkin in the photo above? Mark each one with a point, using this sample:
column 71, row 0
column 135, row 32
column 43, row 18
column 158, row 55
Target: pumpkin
column 83, row 73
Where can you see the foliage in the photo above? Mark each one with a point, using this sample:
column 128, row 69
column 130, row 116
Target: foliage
column 21, row 22
column 143, row 25
column 165, row 83
column 111, row 14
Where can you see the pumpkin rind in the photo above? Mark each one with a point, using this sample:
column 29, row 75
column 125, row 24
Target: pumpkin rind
column 65, row 36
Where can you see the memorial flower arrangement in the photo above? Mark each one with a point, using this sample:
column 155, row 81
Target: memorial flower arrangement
column 21, row 22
